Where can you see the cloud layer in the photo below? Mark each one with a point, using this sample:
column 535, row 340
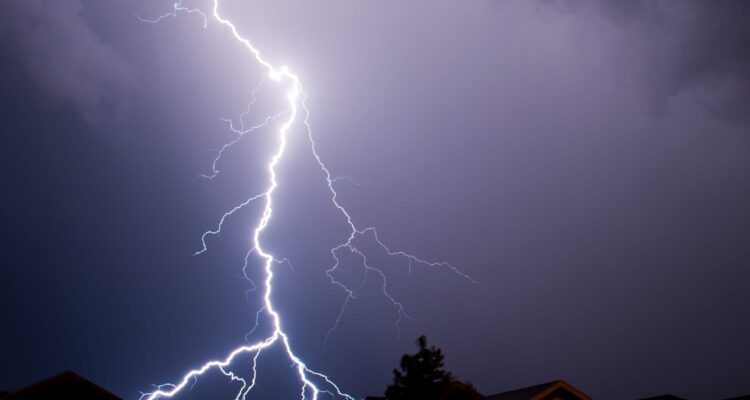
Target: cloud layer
column 682, row 48
column 64, row 57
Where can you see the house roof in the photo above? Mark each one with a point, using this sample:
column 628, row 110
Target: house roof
column 66, row 385
column 538, row 392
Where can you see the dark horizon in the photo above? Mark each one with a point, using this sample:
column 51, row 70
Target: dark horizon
column 69, row 384
column 588, row 163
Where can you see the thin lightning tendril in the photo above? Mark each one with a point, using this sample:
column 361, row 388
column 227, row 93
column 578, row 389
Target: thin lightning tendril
column 312, row 383
column 352, row 181
column 240, row 134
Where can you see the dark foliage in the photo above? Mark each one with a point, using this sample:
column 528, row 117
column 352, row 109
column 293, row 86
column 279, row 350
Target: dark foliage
column 421, row 376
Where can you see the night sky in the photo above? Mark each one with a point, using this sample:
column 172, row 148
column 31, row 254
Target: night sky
column 587, row 162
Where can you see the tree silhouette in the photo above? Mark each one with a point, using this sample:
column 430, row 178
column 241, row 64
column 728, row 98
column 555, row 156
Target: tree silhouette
column 422, row 377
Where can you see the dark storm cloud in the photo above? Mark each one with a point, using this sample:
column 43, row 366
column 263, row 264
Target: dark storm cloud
column 691, row 49
column 64, row 57
column 510, row 139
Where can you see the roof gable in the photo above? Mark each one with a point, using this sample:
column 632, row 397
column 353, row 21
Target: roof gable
column 67, row 385
column 554, row 389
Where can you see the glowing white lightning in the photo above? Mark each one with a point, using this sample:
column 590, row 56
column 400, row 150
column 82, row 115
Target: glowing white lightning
column 312, row 383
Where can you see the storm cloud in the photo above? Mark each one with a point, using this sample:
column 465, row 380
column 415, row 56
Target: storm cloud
column 64, row 57
column 587, row 162
column 679, row 49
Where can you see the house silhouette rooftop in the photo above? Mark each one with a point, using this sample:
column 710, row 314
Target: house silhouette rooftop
column 66, row 385
column 558, row 389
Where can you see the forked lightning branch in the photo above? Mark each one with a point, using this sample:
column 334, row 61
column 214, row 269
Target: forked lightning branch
column 312, row 383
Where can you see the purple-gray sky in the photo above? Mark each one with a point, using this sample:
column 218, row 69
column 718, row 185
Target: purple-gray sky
column 589, row 162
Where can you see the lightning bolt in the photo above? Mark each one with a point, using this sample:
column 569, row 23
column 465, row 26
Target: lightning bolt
column 312, row 382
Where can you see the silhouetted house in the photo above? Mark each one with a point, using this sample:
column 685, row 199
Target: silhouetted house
column 555, row 390
column 65, row 386
column 456, row 390
column 664, row 397
column 740, row 398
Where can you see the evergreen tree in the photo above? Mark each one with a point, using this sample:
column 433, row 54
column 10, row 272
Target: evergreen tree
column 421, row 376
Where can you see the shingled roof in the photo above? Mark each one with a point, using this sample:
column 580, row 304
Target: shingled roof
column 539, row 392
column 66, row 385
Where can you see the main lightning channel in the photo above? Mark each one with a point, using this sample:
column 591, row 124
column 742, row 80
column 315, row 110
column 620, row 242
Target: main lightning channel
column 170, row 390
column 311, row 382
